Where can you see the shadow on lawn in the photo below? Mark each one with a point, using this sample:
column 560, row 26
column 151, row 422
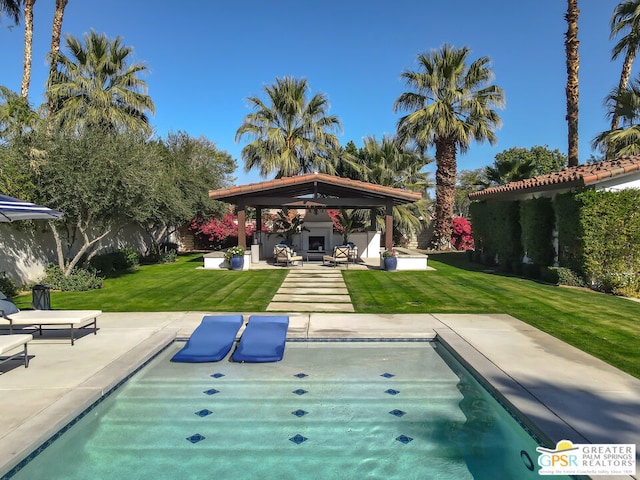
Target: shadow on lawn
column 119, row 273
column 459, row 260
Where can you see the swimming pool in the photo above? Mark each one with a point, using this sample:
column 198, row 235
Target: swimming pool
column 328, row 410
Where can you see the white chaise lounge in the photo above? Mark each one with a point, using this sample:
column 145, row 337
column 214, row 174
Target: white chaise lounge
column 74, row 319
column 11, row 342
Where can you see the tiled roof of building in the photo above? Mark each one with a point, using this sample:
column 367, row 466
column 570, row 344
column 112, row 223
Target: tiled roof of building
column 570, row 177
column 311, row 183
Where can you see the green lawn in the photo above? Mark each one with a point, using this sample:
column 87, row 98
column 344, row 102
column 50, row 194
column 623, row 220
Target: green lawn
column 605, row 326
column 178, row 286
column 602, row 325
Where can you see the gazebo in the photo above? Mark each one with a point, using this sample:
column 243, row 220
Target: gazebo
column 310, row 191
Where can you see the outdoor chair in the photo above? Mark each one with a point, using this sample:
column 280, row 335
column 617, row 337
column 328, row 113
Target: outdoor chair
column 340, row 255
column 11, row 342
column 73, row 319
column 284, row 254
column 353, row 254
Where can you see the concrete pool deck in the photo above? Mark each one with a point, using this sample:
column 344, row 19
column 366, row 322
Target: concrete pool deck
column 562, row 391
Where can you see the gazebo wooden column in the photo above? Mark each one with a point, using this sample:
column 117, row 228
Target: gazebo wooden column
column 259, row 223
column 388, row 225
column 242, row 226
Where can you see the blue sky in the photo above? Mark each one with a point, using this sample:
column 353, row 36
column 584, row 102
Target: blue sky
column 206, row 57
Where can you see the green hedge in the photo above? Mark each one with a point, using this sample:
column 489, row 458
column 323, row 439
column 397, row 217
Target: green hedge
column 598, row 238
column 481, row 224
column 610, row 223
column 570, row 247
column 537, row 222
column 496, row 230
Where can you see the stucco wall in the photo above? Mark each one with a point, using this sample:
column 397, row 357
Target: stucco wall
column 27, row 253
column 617, row 183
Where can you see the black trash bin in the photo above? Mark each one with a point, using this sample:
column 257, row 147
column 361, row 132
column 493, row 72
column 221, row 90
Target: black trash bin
column 41, row 297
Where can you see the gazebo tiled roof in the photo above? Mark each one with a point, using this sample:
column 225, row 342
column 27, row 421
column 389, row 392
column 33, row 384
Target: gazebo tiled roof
column 571, row 177
column 346, row 192
column 314, row 190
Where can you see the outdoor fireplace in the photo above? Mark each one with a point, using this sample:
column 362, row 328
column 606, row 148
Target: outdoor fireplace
column 316, row 242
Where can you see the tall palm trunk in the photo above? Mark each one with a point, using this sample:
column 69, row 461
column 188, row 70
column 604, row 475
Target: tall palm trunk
column 445, row 193
column 56, row 32
column 573, row 63
column 624, row 82
column 28, row 44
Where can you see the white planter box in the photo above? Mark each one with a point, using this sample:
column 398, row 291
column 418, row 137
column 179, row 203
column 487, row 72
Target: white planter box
column 215, row 260
column 408, row 262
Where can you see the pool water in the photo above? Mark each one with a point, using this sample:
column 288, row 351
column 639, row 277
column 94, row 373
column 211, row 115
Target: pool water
column 352, row 410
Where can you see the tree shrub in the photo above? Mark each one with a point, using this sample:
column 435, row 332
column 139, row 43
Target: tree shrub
column 116, row 261
column 7, row 285
column 79, row 280
column 167, row 253
column 566, row 276
column 168, row 256
column 461, row 235
column 216, row 233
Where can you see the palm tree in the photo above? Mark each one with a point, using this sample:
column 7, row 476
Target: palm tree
column 290, row 134
column 387, row 163
column 56, row 31
column 96, row 87
column 28, row 47
column 625, row 18
column 451, row 104
column 624, row 140
column 11, row 8
column 348, row 222
column 288, row 224
column 16, row 115
column 573, row 63
column 510, row 169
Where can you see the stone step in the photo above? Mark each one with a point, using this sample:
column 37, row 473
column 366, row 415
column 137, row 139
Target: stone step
column 305, row 290
column 314, row 275
column 309, row 307
column 298, row 278
column 306, row 298
column 313, row 285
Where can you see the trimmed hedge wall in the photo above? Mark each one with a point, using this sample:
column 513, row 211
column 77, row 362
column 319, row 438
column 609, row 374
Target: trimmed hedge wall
column 598, row 237
column 496, row 230
column 610, row 223
column 537, row 221
column 570, row 249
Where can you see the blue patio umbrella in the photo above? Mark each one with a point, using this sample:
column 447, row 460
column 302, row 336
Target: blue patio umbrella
column 12, row 209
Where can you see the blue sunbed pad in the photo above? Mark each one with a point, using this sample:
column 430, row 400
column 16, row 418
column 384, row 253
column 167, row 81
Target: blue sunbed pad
column 263, row 340
column 212, row 340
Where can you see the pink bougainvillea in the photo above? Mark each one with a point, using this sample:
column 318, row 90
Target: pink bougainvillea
column 217, row 233
column 461, row 235
column 335, row 216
